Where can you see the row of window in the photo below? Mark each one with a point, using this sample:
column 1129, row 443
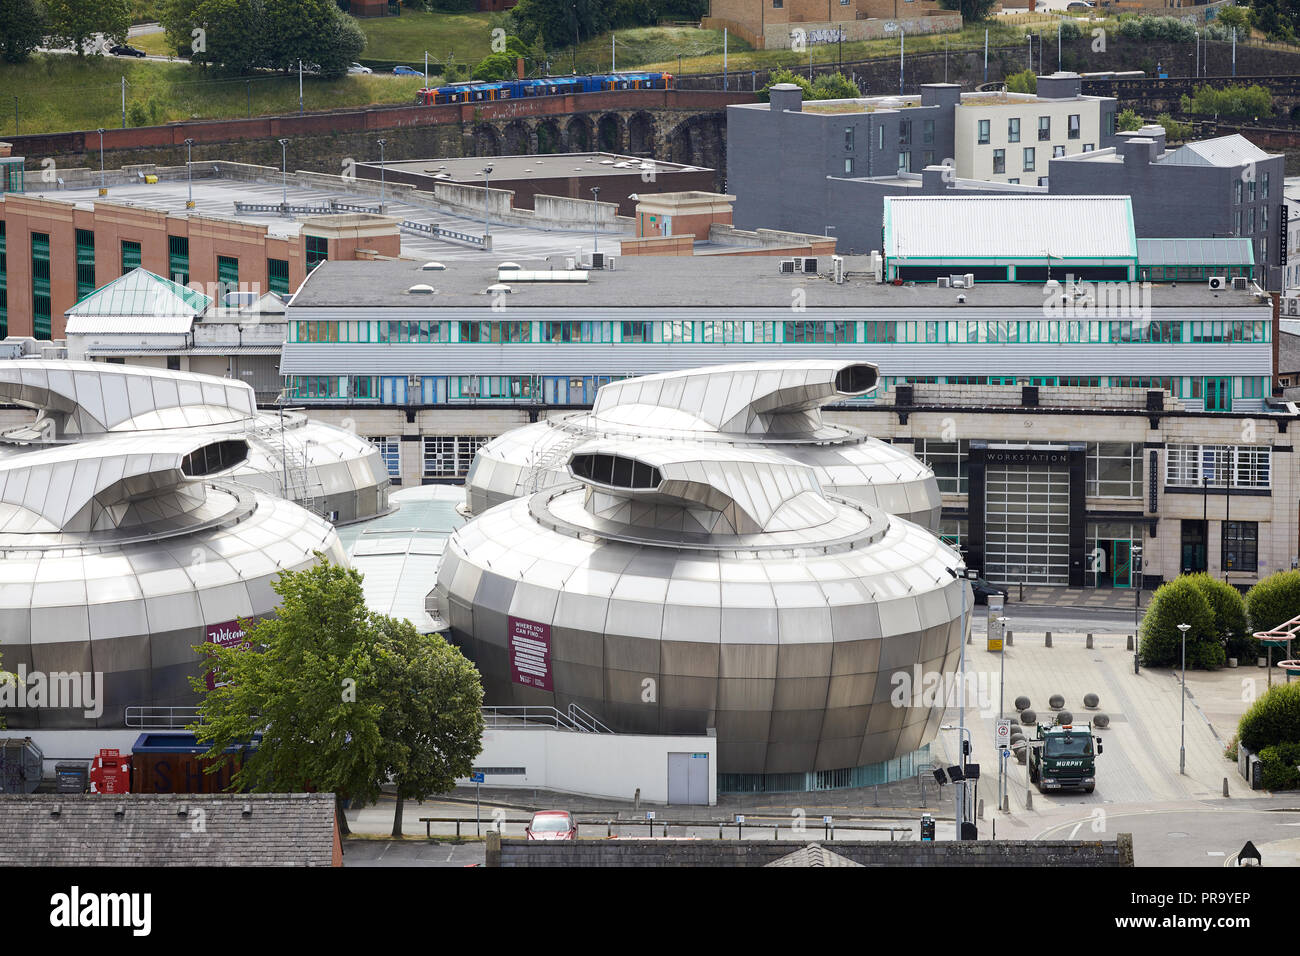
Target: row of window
column 796, row 330
column 1245, row 190
column 1115, row 469
column 1216, row 392
column 1073, row 130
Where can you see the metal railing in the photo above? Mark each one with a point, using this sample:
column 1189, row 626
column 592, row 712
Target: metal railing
column 575, row 719
column 437, row 232
column 149, row 717
column 828, row 830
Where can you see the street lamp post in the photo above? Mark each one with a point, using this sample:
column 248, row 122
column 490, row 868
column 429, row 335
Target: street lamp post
column 382, row 144
column 1135, row 564
column 1182, row 733
column 103, row 187
column 595, row 233
column 487, row 215
column 959, row 786
column 963, row 575
column 284, row 172
column 189, row 173
column 1002, row 683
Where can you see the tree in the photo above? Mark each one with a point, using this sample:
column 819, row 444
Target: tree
column 494, row 66
column 834, row 86
column 1026, row 81
column 22, row 26
column 1229, row 611
column 784, row 76
column 1180, row 602
column 559, row 22
column 178, row 21
column 314, row 31
column 233, row 33
column 432, row 718
column 1272, row 719
column 1234, row 17
column 1174, row 130
column 970, row 10
column 1127, row 121
column 344, row 698
column 76, row 22
column 338, row 44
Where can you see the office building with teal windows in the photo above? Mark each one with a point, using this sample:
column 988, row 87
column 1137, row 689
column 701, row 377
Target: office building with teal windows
column 1096, row 419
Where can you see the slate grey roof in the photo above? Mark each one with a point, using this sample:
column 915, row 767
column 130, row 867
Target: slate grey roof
column 813, row 854
column 282, row 829
column 1196, row 252
column 1231, row 150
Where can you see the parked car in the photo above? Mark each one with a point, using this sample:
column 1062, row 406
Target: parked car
column 552, row 825
column 406, row 71
column 126, row 51
column 983, row 589
column 358, row 68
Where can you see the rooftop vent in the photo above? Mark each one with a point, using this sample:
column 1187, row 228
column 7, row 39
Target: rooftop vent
column 855, row 379
column 420, row 289
column 615, row 471
column 508, row 265
column 434, row 267
column 498, row 287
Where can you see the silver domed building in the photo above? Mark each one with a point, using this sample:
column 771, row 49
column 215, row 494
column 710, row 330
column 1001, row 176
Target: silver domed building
column 328, row 470
column 124, row 538
column 679, row 587
column 777, row 406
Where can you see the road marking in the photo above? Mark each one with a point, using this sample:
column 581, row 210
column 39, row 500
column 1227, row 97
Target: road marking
column 1076, row 829
column 1215, row 853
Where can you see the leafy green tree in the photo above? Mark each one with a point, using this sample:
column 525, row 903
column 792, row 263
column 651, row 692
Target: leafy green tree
column 178, row 22
column 1229, row 611
column 494, row 66
column 22, row 26
column 1127, row 121
column 338, row 44
column 432, row 718
column 1233, row 100
column 76, row 22
column 970, row 10
column 785, row 76
column 1274, row 601
column 1026, row 81
column 314, row 31
column 1236, row 17
column 1174, row 603
column 1273, row 718
column 233, row 33
column 834, row 86
column 1174, row 130
column 306, row 692
column 559, row 22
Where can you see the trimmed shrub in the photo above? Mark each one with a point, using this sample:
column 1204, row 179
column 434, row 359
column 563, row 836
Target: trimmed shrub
column 834, row 86
column 1273, row 719
column 1273, row 601
column 1180, row 602
column 1278, row 766
column 785, row 76
column 1229, row 613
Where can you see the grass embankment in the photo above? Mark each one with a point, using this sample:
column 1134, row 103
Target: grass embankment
column 465, row 36
column 59, row 92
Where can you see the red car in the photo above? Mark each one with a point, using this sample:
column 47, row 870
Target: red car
column 552, row 825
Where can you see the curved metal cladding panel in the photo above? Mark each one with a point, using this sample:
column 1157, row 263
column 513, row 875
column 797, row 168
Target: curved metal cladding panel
column 786, row 641
column 134, row 610
column 847, row 462
column 325, row 468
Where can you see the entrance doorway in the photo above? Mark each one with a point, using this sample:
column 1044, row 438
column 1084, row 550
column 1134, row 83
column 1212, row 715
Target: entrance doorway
column 1193, row 546
column 1110, row 553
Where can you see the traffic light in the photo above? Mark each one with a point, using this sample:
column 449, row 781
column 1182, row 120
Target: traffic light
column 927, row 828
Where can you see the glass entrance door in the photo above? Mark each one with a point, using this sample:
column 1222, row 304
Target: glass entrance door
column 1121, row 564
column 1193, row 546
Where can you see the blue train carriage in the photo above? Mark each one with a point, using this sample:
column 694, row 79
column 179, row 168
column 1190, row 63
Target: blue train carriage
column 478, row 92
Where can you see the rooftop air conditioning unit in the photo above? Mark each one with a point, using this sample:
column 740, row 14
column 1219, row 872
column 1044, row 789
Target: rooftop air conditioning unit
column 970, row 280
column 957, row 282
column 808, row 264
column 837, row 269
column 569, row 263
column 598, row 260
column 1239, row 283
column 1217, row 282
column 944, row 282
column 878, row 266
column 787, row 266
column 610, row 262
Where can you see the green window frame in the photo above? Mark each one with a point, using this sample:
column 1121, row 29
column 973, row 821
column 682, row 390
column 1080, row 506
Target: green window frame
column 41, row 285
column 85, row 263
column 277, row 275
column 131, row 257
column 318, row 249
column 178, row 259
column 227, row 275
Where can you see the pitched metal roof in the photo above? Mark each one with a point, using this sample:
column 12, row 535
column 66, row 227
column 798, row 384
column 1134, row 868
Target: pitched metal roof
column 1232, row 150
column 246, row 829
column 1009, row 227
column 1196, row 252
column 137, row 302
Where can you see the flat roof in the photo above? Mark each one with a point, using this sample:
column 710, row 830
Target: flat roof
column 469, row 169
column 1196, row 252
column 215, row 197
column 678, row 282
column 1009, row 227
